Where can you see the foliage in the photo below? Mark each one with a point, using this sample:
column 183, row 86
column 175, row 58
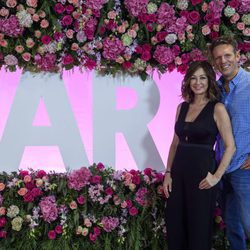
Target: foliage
column 88, row 208
column 114, row 36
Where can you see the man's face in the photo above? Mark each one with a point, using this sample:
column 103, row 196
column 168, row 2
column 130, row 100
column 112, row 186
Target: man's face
column 226, row 60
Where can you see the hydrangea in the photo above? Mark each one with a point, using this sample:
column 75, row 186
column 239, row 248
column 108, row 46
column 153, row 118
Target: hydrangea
column 24, row 18
column 48, row 208
column 13, row 211
column 112, row 48
column 140, row 64
column 136, row 7
column 17, row 223
column 163, row 55
column 109, row 223
column 11, row 26
column 126, row 40
column 182, row 4
column 78, row 179
column 152, row 8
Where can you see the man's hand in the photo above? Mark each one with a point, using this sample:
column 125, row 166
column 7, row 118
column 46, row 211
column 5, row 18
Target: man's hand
column 208, row 182
column 246, row 164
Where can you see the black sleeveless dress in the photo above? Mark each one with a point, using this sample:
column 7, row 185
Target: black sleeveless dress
column 189, row 210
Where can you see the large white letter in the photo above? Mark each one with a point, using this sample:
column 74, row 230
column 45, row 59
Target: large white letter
column 132, row 123
column 19, row 131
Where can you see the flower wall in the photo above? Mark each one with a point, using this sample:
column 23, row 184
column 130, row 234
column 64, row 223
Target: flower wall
column 113, row 36
column 89, row 208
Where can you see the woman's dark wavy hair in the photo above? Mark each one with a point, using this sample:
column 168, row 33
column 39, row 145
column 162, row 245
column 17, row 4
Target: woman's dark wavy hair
column 213, row 92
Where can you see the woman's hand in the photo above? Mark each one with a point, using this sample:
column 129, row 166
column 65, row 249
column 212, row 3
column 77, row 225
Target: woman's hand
column 167, row 184
column 208, row 182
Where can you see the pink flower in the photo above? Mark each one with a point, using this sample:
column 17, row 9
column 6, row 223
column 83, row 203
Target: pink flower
column 147, row 171
column 81, row 199
column 23, row 173
column 58, row 36
column 133, row 211
column 36, row 192
column 97, row 231
column 127, row 65
column 96, row 179
column 78, row 179
column 41, row 174
column 92, row 237
column 52, row 234
column 28, row 197
column 129, row 203
column 67, row 59
column 112, row 48
column 67, row 20
column 46, row 39
column 193, row 17
column 32, row 3
column 11, row 26
column 3, row 234
column 58, row 229
column 49, row 208
column 90, row 64
column 109, row 191
column 195, row 2
column 11, row 3
column 163, row 55
column 59, row 8
column 73, row 205
column 182, row 68
column 44, row 24
column 10, row 60
column 109, row 223
column 3, row 221
column 136, row 7
column 69, row 9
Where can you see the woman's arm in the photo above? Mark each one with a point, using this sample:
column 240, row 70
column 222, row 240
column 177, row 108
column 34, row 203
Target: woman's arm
column 224, row 126
column 167, row 184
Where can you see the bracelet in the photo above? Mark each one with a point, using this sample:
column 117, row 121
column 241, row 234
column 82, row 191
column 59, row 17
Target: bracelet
column 168, row 171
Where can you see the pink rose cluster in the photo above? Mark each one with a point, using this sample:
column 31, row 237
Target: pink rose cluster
column 110, row 223
column 11, row 27
column 78, row 179
column 48, row 208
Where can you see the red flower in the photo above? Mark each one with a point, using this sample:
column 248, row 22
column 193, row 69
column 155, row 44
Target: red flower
column 146, row 55
column 52, row 234
column 133, row 211
column 127, row 65
column 40, row 174
column 195, row 2
column 46, row 39
column 59, row 8
column 193, row 17
column 67, row 20
column 3, row 234
column 24, row 173
column 96, row 179
column 109, row 191
column 80, row 199
column 2, row 222
column 58, row 229
column 67, row 59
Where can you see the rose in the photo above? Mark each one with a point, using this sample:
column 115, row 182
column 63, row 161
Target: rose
column 3, row 234
column 36, row 192
column 85, row 231
column 80, row 199
column 30, row 43
column 4, row 12
column 11, row 3
column 69, row 9
column 58, row 229
column 59, row 8
column 92, row 237
column 2, row 221
column 73, row 205
column 70, row 33
column 44, row 24
column 109, row 191
column 67, row 20
column 67, row 59
column 240, row 26
column 127, row 65
column 17, row 223
column 28, row 197
column 3, row 43
column 133, row 211
column 87, row 222
column 2, row 211
column 38, row 33
column 22, row 191
column 32, row 3
column 2, row 186
column 46, row 39
column 27, row 178
column 205, row 30
column 193, row 17
column 52, row 234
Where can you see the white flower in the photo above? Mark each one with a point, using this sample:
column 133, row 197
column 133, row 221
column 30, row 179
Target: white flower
column 246, row 19
column 229, row 11
column 182, row 4
column 170, row 38
column 151, row 8
column 24, row 18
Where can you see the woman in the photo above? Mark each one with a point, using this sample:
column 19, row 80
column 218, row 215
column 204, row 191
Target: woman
column 192, row 173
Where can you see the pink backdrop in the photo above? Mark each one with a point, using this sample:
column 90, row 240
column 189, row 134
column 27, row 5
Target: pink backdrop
column 79, row 89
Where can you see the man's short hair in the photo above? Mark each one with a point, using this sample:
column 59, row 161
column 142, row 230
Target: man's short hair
column 224, row 40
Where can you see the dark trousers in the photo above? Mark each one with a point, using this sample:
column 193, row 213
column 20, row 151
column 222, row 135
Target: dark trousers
column 189, row 212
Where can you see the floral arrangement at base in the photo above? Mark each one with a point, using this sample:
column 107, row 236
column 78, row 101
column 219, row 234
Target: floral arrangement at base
column 89, row 208
column 114, row 36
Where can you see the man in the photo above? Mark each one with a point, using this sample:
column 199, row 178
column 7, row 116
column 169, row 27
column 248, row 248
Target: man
column 235, row 86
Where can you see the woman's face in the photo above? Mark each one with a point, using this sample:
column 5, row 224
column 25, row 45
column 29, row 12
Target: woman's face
column 199, row 82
